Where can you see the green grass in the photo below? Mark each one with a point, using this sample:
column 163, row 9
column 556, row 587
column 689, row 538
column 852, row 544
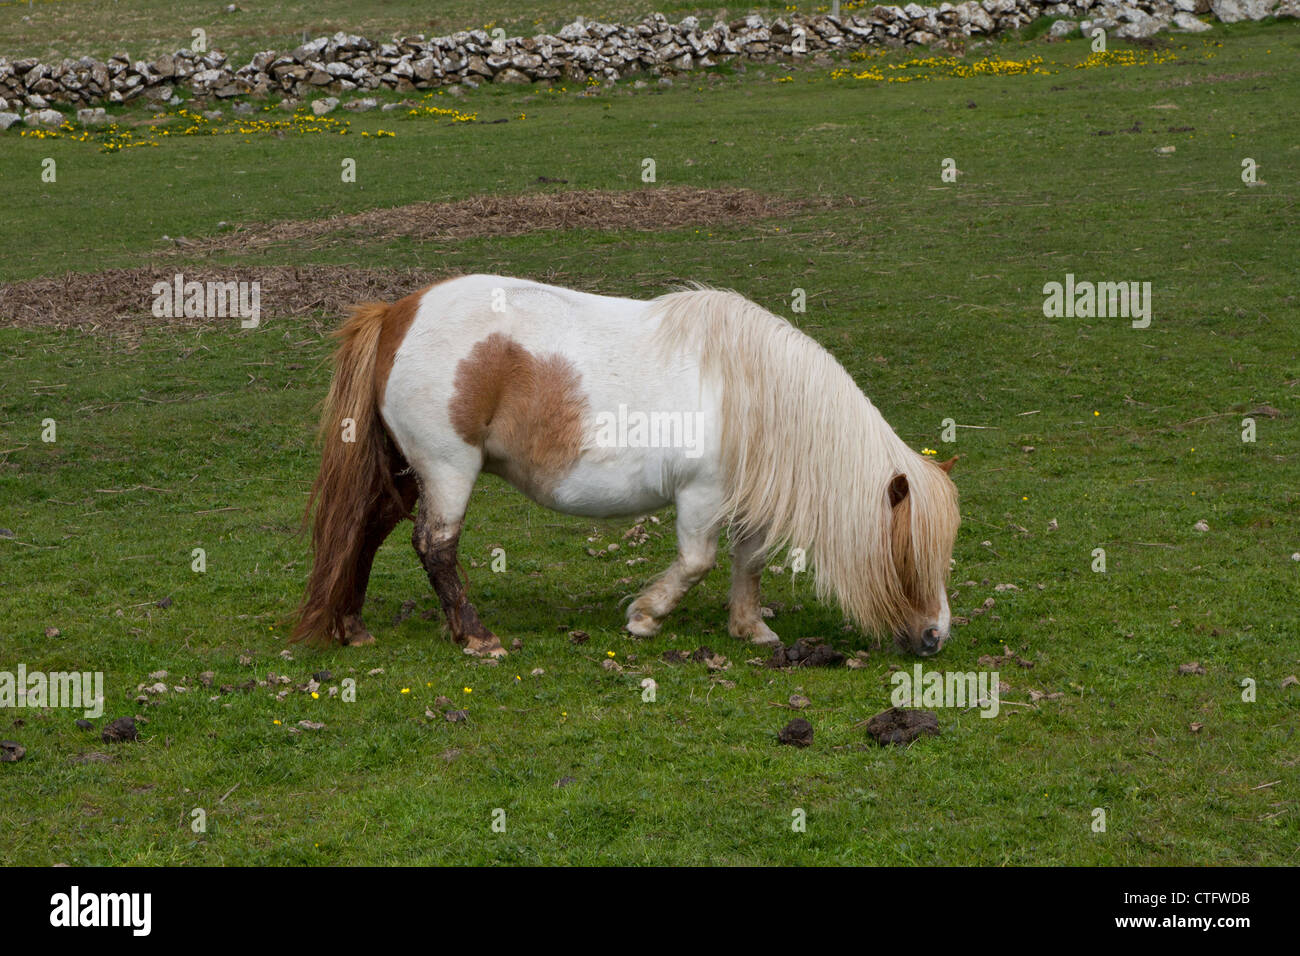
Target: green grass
column 929, row 293
column 149, row 28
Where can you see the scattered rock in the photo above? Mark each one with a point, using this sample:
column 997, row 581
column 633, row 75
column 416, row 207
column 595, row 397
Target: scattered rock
column 11, row 751
column 1007, row 656
column 714, row 662
column 797, row 733
column 1234, row 11
column 121, row 729
column 1187, row 23
column 1193, row 668
column 799, row 702
column 43, row 119
column 805, row 653
column 897, row 726
column 84, row 724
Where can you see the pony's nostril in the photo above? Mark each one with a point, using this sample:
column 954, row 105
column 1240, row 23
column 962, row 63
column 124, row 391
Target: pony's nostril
column 930, row 639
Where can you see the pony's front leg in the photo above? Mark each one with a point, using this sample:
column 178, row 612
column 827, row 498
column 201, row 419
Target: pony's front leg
column 745, row 610
column 697, row 549
column 436, row 538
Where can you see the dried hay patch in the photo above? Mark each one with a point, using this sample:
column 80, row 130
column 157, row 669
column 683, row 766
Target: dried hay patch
column 491, row 216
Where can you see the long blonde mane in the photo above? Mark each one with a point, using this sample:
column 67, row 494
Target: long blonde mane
column 809, row 460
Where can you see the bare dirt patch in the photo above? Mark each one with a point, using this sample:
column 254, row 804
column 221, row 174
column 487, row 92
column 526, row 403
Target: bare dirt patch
column 122, row 299
column 117, row 299
column 517, row 215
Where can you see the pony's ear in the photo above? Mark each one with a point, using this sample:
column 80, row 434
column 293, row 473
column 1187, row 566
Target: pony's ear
column 947, row 465
column 897, row 490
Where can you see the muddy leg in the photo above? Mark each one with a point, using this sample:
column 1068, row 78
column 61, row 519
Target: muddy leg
column 386, row 516
column 436, row 538
column 697, row 548
column 746, row 616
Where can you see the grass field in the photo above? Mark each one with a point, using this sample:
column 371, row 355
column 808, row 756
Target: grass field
column 58, row 28
column 172, row 437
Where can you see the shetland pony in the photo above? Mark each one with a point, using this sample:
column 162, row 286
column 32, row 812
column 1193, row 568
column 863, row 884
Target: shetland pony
column 552, row 390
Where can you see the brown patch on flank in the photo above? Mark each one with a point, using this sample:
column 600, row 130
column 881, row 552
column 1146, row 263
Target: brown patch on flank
column 485, row 216
column 526, row 412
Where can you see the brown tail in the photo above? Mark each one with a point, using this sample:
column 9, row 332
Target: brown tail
column 356, row 478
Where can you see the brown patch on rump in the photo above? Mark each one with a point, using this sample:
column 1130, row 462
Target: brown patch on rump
column 400, row 315
column 526, row 412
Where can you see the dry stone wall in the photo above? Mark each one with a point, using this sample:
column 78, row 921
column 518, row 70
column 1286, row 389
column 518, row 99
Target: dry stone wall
column 345, row 63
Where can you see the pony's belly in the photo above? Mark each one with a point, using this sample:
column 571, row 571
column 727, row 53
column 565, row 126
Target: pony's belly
column 593, row 491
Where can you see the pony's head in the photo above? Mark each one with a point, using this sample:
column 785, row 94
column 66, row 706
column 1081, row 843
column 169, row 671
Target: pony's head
column 923, row 528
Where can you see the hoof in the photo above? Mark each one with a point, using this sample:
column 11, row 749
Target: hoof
column 355, row 633
column 642, row 625
column 757, row 633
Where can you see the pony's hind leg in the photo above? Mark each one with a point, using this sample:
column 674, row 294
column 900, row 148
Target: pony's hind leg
column 697, row 548
column 744, row 608
column 385, row 515
column 443, row 499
